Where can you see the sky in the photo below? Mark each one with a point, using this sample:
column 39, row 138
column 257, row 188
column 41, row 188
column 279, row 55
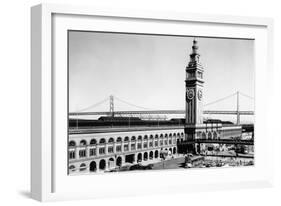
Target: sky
column 149, row 70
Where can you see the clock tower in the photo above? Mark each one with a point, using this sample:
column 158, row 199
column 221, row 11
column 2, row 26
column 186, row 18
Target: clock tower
column 194, row 97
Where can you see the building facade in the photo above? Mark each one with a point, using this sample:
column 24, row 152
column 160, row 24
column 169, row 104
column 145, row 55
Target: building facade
column 97, row 152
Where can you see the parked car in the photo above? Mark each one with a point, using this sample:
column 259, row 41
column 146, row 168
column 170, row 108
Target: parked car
column 141, row 167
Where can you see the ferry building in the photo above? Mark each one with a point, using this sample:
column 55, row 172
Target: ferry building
column 98, row 148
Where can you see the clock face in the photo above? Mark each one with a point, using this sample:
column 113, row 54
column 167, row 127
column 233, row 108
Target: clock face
column 190, row 94
column 200, row 94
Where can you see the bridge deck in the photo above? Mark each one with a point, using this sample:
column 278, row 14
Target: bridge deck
column 121, row 129
column 160, row 112
column 219, row 141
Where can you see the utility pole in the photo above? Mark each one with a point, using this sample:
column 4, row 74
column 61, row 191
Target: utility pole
column 237, row 104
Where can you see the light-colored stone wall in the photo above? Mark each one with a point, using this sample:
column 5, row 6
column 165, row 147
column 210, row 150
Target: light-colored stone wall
column 151, row 142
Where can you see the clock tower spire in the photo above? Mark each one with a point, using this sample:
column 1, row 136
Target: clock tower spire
column 194, row 88
column 194, row 96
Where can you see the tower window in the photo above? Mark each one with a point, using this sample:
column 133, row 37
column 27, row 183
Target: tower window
column 190, row 74
column 200, row 75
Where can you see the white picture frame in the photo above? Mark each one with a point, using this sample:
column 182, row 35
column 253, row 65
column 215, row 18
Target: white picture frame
column 49, row 179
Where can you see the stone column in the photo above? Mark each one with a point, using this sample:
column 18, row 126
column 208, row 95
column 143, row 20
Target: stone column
column 135, row 158
column 87, row 152
column 97, row 165
column 195, row 148
column 129, row 142
column 114, row 148
column 77, row 153
column 106, row 164
column 106, row 148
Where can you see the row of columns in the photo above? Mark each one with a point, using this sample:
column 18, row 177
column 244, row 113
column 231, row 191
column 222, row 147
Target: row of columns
column 114, row 163
column 115, row 144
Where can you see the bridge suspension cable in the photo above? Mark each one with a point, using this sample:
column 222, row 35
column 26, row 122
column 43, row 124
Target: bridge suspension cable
column 245, row 95
column 133, row 105
column 221, row 99
column 93, row 105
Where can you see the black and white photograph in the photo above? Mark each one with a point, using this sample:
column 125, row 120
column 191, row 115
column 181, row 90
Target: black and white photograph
column 142, row 102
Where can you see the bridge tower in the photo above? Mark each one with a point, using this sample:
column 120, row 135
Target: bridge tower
column 237, row 105
column 111, row 105
column 194, row 97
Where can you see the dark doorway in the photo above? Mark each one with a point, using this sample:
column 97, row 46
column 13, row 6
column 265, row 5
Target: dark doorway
column 119, row 161
column 130, row 158
column 145, row 156
column 139, row 157
column 150, row 155
column 93, row 166
column 102, row 164
column 156, row 154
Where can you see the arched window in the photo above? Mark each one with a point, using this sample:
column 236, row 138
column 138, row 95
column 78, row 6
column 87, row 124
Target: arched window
column 151, row 141
column 111, row 163
column 156, row 154
column 170, row 151
column 203, row 135
column 209, row 135
column 170, row 140
column 126, row 145
column 119, row 139
column 93, row 142
column 82, row 153
column 139, row 158
column 71, row 154
column 145, row 141
column 111, row 140
column 145, row 156
column 156, row 141
column 166, row 139
column 161, row 140
column 102, row 141
column 83, row 142
column 72, row 168
column 83, row 167
column 119, row 161
column 102, row 164
column 139, row 144
column 93, row 166
column 71, row 144
column 215, row 135
column 151, row 155
column 133, row 143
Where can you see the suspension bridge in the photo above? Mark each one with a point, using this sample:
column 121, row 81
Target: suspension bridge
column 146, row 113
